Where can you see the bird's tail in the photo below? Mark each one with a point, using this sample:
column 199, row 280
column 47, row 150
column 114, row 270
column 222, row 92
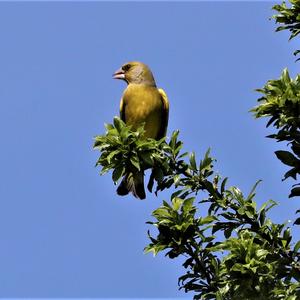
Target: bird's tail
column 132, row 183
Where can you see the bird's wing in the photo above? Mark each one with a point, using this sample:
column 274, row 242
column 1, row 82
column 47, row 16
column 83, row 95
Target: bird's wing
column 122, row 110
column 165, row 114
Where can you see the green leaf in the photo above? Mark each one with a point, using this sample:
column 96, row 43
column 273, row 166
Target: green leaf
column 147, row 158
column 296, row 148
column 118, row 173
column 228, row 231
column 249, row 213
column 295, row 192
column 287, row 158
column 176, row 179
column 111, row 155
column 135, row 161
column 155, row 249
column 188, row 204
column 118, row 123
column 296, row 52
column 207, row 161
column 193, row 165
column 174, row 139
column 286, row 76
column 207, row 220
column 297, row 246
column 183, row 155
column 297, row 222
column 270, row 203
column 275, row 117
column 291, row 173
column 158, row 174
column 223, row 185
column 161, row 212
column 287, row 234
column 176, row 203
column 108, row 126
column 252, row 192
column 175, row 194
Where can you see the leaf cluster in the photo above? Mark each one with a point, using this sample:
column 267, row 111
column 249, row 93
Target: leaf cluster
column 232, row 250
column 124, row 151
column 281, row 104
column 289, row 18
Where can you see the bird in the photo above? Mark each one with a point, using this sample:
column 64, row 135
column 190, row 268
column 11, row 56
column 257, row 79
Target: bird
column 141, row 102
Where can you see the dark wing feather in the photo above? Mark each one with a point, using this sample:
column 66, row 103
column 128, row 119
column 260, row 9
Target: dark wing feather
column 122, row 110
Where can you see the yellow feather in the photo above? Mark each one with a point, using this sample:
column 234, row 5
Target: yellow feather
column 143, row 104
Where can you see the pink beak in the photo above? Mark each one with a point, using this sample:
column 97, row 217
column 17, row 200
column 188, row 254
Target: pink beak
column 119, row 74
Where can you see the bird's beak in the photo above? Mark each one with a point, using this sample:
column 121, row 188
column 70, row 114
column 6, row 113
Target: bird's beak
column 119, row 74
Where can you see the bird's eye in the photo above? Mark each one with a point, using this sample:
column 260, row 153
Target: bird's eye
column 126, row 67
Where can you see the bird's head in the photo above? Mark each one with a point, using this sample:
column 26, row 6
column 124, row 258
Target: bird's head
column 135, row 72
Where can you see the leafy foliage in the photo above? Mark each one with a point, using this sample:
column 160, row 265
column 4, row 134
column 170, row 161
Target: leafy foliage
column 124, row 151
column 232, row 249
column 289, row 17
column 281, row 103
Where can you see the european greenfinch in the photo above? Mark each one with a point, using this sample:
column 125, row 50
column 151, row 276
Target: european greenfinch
column 141, row 102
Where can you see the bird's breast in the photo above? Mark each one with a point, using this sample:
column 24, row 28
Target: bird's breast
column 143, row 104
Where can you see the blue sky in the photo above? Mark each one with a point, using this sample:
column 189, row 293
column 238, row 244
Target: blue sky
column 64, row 232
